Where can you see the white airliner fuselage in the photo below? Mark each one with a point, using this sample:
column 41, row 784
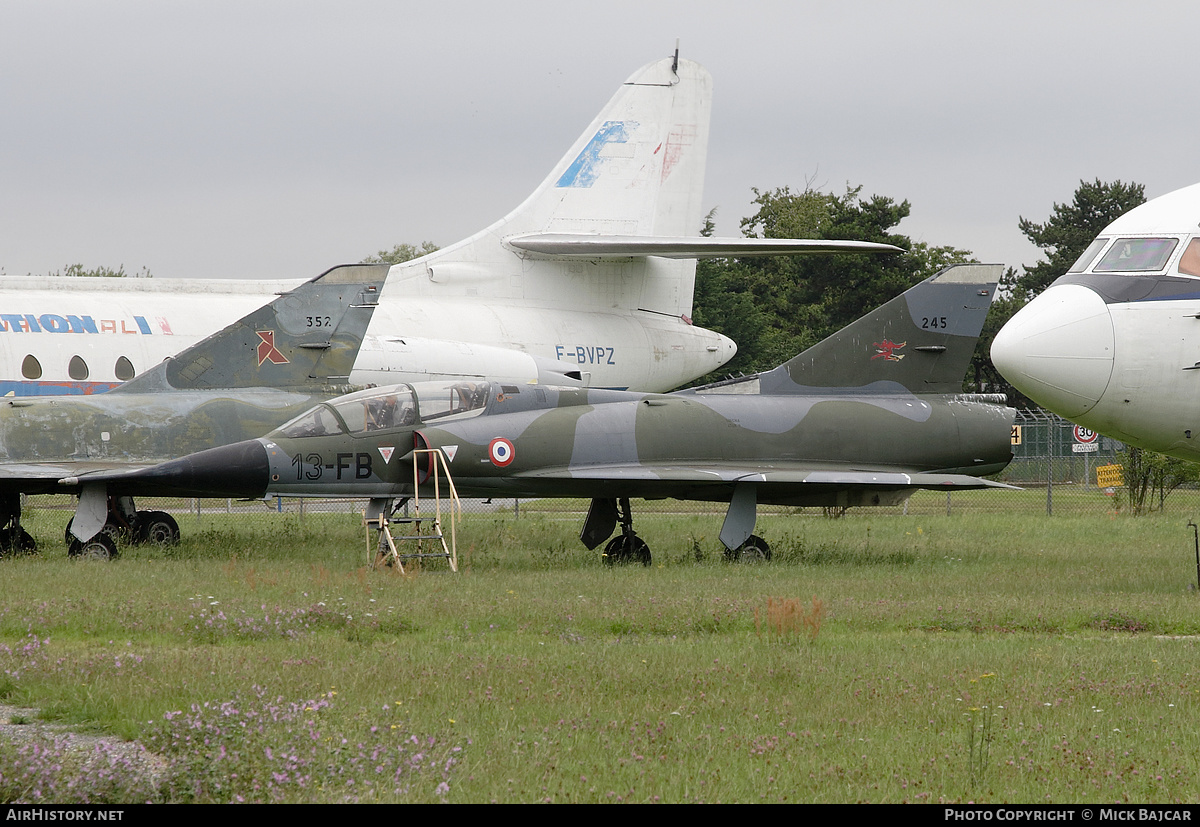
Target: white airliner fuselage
column 1114, row 344
column 67, row 336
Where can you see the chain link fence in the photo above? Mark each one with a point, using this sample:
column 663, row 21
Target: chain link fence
column 1060, row 469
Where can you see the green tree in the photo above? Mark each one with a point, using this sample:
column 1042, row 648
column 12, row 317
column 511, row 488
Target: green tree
column 401, row 253
column 719, row 303
column 1071, row 228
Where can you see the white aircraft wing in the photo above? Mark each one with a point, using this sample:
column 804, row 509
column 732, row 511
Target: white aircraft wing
column 592, row 246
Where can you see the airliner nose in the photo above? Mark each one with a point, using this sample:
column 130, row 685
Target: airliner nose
column 1058, row 349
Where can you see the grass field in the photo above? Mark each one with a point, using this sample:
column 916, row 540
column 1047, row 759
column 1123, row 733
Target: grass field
column 884, row 658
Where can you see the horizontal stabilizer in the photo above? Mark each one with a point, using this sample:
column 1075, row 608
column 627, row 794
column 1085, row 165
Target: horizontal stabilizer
column 594, row 246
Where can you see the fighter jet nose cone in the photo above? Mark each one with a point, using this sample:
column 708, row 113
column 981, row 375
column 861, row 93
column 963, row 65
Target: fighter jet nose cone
column 238, row 470
column 1058, row 349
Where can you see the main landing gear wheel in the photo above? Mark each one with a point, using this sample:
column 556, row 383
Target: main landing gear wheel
column 627, row 549
column 13, row 538
column 754, row 550
column 16, row 540
column 100, row 547
column 113, row 531
column 156, row 528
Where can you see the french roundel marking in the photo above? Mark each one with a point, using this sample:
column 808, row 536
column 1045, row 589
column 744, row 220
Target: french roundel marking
column 501, row 452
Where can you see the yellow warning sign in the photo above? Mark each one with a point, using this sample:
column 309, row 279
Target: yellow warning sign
column 1110, row 476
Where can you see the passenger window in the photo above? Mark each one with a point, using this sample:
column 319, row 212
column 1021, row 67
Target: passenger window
column 1189, row 262
column 77, row 369
column 31, row 368
column 124, row 369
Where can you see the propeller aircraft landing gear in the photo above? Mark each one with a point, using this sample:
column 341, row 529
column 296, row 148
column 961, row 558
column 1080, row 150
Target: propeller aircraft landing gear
column 754, row 550
column 100, row 547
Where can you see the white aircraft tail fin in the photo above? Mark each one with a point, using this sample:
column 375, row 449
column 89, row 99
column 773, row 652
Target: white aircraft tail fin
column 638, row 170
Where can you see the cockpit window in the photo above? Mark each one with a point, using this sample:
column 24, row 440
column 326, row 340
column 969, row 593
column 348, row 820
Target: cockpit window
column 1189, row 262
column 1137, row 255
column 397, row 406
column 1089, row 254
column 382, row 410
column 439, row 399
column 319, row 421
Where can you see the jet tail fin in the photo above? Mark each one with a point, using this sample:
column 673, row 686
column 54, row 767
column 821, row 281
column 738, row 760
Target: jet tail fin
column 307, row 337
column 922, row 340
column 637, row 170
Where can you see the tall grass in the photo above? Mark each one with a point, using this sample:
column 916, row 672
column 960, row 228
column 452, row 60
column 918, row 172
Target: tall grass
column 986, row 658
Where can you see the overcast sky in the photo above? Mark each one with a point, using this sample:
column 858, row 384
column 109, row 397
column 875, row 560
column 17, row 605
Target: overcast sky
column 276, row 139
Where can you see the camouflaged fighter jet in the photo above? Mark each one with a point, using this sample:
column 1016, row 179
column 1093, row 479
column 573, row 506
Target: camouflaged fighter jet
column 862, row 418
column 237, row 384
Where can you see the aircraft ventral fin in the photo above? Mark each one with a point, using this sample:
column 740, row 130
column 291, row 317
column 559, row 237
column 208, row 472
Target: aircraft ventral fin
column 593, row 246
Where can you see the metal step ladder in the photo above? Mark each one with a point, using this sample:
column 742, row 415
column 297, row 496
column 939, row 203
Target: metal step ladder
column 424, row 536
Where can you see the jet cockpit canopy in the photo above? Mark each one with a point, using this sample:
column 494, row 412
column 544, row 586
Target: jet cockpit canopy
column 390, row 407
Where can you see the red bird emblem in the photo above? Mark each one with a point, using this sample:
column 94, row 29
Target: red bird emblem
column 267, row 350
column 886, row 350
